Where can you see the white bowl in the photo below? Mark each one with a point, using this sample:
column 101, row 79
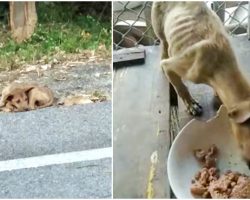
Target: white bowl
column 182, row 165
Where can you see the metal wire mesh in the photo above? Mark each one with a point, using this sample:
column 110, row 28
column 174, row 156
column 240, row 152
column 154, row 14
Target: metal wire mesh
column 132, row 24
column 234, row 15
column 132, row 21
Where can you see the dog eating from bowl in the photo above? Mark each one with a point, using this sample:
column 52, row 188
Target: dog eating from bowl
column 195, row 47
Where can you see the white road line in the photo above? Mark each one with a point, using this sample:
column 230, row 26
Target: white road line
column 53, row 159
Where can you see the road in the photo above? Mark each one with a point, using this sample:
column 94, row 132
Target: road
column 56, row 152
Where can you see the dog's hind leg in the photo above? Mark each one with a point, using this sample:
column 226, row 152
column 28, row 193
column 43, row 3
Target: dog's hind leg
column 174, row 68
column 35, row 104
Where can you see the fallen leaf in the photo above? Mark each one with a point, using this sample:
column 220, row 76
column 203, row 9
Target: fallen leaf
column 63, row 78
column 30, row 68
column 69, row 101
column 46, row 67
column 97, row 75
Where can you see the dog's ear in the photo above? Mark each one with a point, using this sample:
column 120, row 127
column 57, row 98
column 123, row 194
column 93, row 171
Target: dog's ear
column 10, row 97
column 6, row 98
column 240, row 113
column 28, row 89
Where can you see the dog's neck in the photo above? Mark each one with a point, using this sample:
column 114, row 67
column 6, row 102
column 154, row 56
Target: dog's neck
column 231, row 87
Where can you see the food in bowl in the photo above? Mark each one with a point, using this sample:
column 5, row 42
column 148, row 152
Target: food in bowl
column 230, row 185
column 207, row 158
column 207, row 183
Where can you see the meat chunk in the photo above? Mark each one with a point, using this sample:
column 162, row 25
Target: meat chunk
column 208, row 184
column 207, row 158
column 201, row 182
column 241, row 189
column 221, row 188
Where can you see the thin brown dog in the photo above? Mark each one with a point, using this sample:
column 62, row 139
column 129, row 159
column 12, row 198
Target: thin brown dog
column 18, row 97
column 195, row 46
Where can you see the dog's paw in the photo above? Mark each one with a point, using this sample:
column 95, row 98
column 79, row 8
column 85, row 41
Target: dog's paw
column 194, row 109
column 4, row 109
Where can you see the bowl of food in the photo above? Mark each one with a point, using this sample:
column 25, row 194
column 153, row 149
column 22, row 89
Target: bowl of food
column 185, row 169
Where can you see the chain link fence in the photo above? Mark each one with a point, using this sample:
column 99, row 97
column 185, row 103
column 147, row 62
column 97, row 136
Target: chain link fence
column 132, row 21
column 234, row 15
column 132, row 24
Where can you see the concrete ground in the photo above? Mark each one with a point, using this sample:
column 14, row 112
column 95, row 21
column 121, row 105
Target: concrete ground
column 143, row 123
column 140, row 129
column 56, row 152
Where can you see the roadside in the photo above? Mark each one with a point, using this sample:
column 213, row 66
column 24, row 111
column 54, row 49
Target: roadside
column 86, row 76
column 59, row 151
column 70, row 50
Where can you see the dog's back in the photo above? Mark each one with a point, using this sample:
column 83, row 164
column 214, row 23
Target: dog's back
column 40, row 97
column 182, row 24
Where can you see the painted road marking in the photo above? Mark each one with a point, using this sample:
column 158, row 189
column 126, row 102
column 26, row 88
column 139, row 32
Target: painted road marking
column 150, row 186
column 54, row 159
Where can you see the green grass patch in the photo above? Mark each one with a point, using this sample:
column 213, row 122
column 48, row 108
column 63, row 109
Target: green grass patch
column 58, row 29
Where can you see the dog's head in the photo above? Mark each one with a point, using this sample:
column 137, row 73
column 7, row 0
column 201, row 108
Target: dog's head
column 240, row 120
column 17, row 99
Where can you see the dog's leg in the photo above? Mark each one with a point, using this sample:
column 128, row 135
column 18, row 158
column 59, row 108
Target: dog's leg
column 48, row 104
column 173, row 69
column 216, row 101
column 4, row 109
column 35, row 104
column 164, row 50
column 32, row 103
column 7, row 107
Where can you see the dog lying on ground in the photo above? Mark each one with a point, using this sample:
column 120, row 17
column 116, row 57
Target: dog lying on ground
column 18, row 97
column 195, row 46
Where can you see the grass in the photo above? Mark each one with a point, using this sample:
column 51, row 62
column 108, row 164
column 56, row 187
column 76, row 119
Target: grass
column 58, row 29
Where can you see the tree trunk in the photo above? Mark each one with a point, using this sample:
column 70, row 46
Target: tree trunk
column 23, row 20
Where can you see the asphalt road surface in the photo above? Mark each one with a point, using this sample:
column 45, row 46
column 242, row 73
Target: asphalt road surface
column 57, row 152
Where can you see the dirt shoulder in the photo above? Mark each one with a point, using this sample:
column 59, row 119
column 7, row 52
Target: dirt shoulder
column 68, row 75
